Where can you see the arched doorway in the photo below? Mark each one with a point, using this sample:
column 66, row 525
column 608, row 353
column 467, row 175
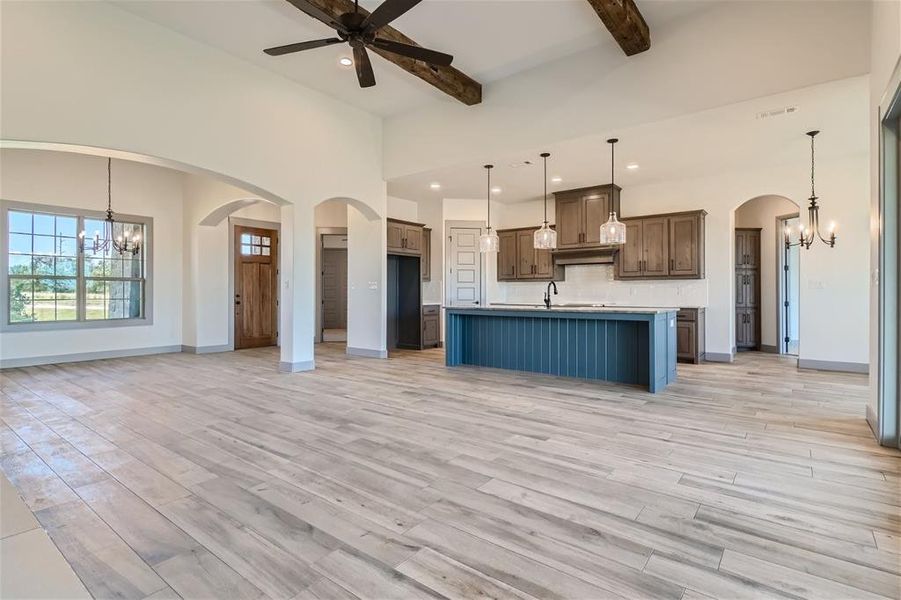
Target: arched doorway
column 766, row 276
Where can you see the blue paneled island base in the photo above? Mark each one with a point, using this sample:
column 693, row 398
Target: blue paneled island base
column 635, row 345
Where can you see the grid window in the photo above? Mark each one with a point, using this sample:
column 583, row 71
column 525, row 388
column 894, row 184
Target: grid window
column 255, row 245
column 53, row 277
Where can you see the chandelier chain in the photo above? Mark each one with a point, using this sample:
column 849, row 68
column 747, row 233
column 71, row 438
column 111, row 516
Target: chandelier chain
column 812, row 166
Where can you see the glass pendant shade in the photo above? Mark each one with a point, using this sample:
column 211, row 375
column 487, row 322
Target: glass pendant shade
column 545, row 238
column 613, row 231
column 489, row 242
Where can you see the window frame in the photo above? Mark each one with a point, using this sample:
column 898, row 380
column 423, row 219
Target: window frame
column 6, row 326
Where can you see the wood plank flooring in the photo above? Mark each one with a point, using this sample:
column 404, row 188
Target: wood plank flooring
column 215, row 476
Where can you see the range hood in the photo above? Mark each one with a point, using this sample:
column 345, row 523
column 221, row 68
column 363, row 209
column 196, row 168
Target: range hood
column 602, row 255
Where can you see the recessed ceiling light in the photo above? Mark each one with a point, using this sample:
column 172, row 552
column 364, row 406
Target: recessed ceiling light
column 435, row 185
column 632, row 166
column 556, row 179
column 496, row 190
column 345, row 61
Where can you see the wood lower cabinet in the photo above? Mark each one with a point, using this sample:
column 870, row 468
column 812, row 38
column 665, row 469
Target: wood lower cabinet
column 519, row 260
column 669, row 246
column 426, row 254
column 747, row 289
column 690, row 335
column 404, row 237
column 431, row 325
column 580, row 214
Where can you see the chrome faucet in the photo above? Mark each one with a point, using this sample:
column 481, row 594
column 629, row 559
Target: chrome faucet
column 547, row 294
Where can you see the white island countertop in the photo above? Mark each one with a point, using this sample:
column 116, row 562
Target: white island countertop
column 570, row 307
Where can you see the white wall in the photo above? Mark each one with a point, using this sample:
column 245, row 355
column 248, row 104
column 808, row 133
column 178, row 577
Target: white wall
column 733, row 52
column 77, row 181
column 104, row 78
column 885, row 52
column 405, row 210
column 761, row 213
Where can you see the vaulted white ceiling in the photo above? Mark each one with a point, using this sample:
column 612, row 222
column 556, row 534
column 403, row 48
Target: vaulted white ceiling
column 489, row 39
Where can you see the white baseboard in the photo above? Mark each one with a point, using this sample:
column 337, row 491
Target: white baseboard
column 833, row 365
column 32, row 361
column 206, row 349
column 296, row 367
column 724, row 357
column 367, row 352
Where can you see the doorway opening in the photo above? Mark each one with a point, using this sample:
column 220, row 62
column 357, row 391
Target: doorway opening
column 333, row 288
column 789, row 286
column 256, row 287
column 762, row 319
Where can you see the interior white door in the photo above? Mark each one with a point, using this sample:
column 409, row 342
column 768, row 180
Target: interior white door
column 465, row 267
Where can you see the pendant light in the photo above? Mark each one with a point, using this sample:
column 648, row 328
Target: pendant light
column 488, row 241
column 545, row 238
column 121, row 243
column 809, row 234
column 613, row 231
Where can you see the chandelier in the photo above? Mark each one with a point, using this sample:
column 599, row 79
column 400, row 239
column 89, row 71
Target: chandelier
column 613, row 231
column 545, row 238
column 809, row 234
column 120, row 243
column 488, row 241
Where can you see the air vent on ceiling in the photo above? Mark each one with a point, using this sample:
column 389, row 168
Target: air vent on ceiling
column 520, row 164
column 777, row 112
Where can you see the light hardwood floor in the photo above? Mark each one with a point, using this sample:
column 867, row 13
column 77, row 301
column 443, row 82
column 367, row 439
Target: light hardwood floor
column 214, row 476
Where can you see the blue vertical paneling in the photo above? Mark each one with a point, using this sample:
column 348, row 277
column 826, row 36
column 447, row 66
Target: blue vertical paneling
column 621, row 347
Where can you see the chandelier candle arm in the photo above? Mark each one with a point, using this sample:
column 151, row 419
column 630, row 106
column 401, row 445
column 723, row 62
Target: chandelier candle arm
column 613, row 232
column 121, row 243
column 545, row 238
column 488, row 241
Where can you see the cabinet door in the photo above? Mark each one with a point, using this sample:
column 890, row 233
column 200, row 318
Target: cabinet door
column 506, row 255
column 752, row 291
column 426, row 264
column 684, row 246
column 395, row 236
column 525, row 255
column 741, row 329
column 569, row 222
column 544, row 264
column 686, row 340
column 629, row 258
column 752, row 248
column 595, row 210
column 752, row 335
column 741, row 289
column 413, row 237
column 430, row 330
column 741, row 252
column 655, row 240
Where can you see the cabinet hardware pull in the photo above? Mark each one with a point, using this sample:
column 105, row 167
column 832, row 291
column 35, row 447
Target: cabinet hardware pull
column 672, row 264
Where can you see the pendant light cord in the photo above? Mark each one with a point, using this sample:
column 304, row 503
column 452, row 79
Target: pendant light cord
column 544, row 155
column 488, row 195
column 109, row 187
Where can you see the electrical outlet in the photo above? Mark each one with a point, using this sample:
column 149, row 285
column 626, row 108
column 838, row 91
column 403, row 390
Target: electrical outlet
column 373, row 285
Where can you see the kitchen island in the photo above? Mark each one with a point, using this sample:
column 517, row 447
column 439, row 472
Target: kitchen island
column 620, row 344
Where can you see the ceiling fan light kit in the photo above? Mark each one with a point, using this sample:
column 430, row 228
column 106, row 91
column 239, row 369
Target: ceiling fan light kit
column 360, row 32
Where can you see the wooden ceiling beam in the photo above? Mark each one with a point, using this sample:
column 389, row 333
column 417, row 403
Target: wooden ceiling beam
column 449, row 80
column 625, row 22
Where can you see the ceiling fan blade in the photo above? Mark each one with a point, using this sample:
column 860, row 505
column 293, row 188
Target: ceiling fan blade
column 289, row 48
column 364, row 68
column 386, row 12
column 432, row 57
column 318, row 14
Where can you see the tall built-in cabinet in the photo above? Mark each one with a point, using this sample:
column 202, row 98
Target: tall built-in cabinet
column 747, row 288
column 409, row 325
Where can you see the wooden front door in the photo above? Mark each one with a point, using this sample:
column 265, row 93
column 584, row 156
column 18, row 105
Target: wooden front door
column 256, row 287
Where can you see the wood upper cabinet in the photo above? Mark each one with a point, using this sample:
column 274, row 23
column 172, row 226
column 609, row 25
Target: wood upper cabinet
column 580, row 214
column 686, row 245
column 506, row 256
column 426, row 266
column 669, row 246
column 404, row 237
column 518, row 260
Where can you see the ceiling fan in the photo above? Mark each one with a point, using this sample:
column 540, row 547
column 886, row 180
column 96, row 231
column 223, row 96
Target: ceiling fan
column 361, row 31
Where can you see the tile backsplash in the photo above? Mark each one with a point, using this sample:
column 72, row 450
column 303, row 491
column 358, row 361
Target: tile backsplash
column 595, row 283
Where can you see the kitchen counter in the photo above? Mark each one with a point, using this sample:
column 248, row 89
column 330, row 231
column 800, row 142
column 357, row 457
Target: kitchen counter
column 634, row 345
